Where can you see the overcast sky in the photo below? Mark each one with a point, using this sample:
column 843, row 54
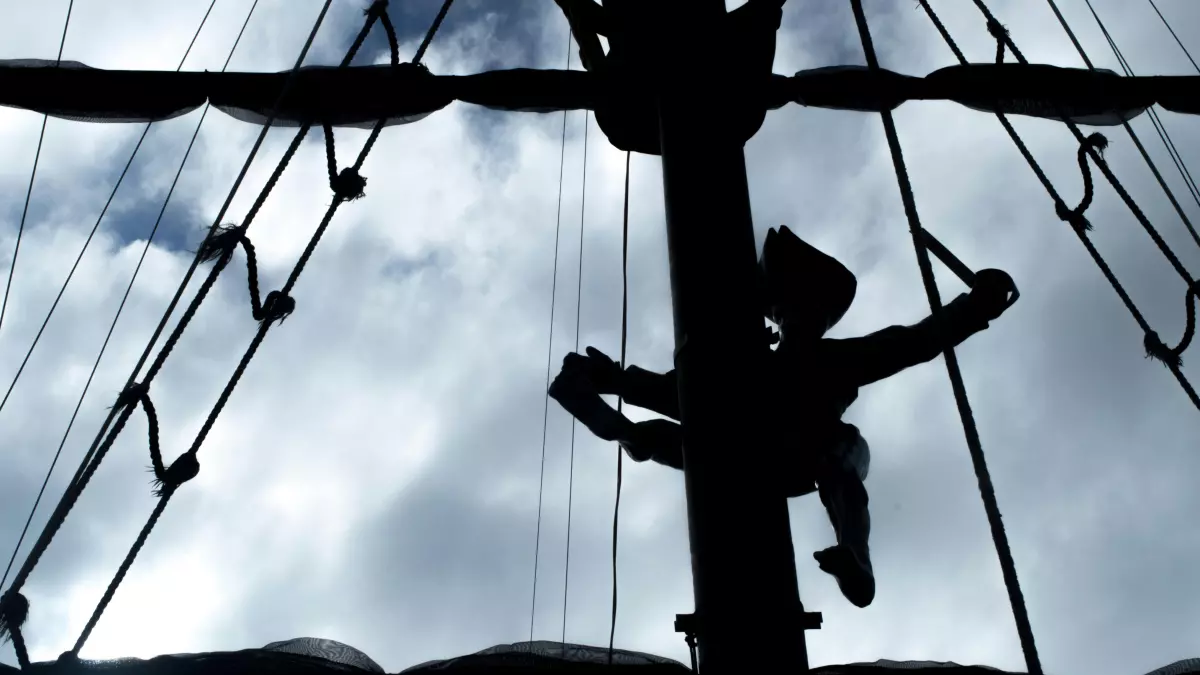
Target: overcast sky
column 374, row 479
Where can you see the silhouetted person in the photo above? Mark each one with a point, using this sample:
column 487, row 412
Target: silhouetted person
column 627, row 112
column 814, row 380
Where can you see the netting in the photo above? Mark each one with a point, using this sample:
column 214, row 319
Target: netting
column 315, row 656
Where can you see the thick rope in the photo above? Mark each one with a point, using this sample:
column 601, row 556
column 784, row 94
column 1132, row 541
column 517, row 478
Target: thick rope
column 1099, row 160
column 433, row 29
column 537, row 545
column 1075, row 216
column 277, row 305
column 37, row 156
column 118, row 419
column 612, row 631
column 574, row 422
column 347, row 185
column 124, row 300
column 1060, row 205
column 379, row 10
column 986, row 489
column 1159, row 128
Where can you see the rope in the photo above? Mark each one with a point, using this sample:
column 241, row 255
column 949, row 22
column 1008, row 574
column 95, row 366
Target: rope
column 125, row 298
column 379, row 10
column 1060, row 206
column 277, row 306
column 98, row 450
column 986, row 489
column 1171, row 150
column 549, row 359
column 1177, row 40
column 433, row 29
column 1096, row 157
column 612, row 632
column 574, row 422
column 37, row 155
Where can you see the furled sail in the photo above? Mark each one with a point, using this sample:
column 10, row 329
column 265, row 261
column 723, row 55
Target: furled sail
column 359, row 96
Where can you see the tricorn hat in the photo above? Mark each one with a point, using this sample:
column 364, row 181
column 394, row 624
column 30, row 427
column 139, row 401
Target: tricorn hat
column 801, row 279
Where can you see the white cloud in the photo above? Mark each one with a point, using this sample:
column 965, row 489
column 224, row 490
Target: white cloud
column 374, row 477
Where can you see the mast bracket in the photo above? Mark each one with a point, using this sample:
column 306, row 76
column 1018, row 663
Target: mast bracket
column 689, row 624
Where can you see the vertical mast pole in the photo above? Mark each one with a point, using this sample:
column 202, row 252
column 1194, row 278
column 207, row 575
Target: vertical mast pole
column 748, row 613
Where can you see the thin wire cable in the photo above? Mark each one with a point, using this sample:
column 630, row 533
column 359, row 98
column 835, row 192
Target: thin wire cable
column 1159, row 127
column 129, row 288
column 1177, row 40
column 574, row 422
column 87, row 242
column 612, row 632
column 975, row 447
column 1094, row 153
column 549, row 359
column 37, row 155
column 1060, row 205
column 120, row 414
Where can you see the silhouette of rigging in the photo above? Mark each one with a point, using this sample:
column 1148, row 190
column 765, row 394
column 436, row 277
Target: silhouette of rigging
column 784, row 406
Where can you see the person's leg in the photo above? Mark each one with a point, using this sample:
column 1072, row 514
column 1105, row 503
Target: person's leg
column 577, row 395
column 658, row 440
column 657, row 392
column 845, row 498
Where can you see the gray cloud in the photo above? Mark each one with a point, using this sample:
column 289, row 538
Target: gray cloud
column 374, row 478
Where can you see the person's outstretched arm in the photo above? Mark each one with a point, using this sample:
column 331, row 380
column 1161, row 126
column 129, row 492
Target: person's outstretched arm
column 880, row 355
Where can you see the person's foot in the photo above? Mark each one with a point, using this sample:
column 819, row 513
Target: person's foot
column 636, row 451
column 854, row 578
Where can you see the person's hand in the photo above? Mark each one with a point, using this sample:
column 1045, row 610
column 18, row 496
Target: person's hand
column 603, row 371
column 991, row 293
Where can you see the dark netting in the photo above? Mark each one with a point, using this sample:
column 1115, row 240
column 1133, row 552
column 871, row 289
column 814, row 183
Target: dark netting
column 359, row 96
column 326, row 649
column 550, row 657
column 315, row 656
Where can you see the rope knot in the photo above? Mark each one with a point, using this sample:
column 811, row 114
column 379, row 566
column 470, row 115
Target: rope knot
column 377, row 9
column 1096, row 141
column 136, row 392
column 348, row 185
column 277, row 307
column 14, row 609
column 1156, row 349
column 997, row 29
column 1073, row 217
column 221, row 242
column 184, row 468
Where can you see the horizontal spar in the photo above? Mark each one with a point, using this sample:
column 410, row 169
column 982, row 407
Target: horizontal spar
column 362, row 95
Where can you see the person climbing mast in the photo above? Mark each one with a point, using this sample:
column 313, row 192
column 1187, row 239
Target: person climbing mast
column 814, row 380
